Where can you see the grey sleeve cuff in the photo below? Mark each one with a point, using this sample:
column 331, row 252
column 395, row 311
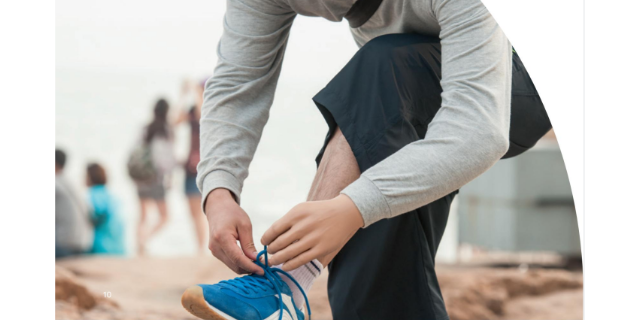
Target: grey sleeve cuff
column 371, row 203
column 220, row 179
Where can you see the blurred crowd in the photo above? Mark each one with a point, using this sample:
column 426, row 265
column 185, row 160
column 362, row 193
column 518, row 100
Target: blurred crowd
column 92, row 224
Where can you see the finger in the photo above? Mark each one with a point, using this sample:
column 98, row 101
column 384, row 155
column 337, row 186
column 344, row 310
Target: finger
column 284, row 240
column 290, row 252
column 237, row 257
column 276, row 229
column 220, row 255
column 245, row 235
column 299, row 260
column 232, row 265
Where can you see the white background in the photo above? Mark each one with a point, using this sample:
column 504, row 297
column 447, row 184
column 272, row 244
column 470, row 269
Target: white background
column 553, row 54
column 549, row 36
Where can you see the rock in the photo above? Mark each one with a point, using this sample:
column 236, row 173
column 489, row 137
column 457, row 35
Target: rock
column 66, row 310
column 70, row 290
column 485, row 294
column 75, row 301
column 537, row 282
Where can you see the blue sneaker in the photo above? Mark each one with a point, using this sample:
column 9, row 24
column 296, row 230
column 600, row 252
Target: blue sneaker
column 252, row 297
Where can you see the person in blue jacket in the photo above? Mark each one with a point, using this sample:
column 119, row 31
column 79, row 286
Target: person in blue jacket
column 109, row 229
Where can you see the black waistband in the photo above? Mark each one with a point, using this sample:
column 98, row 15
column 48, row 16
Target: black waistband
column 361, row 11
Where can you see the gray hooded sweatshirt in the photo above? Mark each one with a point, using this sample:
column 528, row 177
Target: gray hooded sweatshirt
column 466, row 137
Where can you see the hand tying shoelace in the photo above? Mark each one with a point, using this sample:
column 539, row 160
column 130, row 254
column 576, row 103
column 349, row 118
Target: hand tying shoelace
column 255, row 283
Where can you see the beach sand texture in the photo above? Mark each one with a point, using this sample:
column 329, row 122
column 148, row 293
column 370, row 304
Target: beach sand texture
column 148, row 288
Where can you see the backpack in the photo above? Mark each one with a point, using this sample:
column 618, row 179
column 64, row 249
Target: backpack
column 140, row 165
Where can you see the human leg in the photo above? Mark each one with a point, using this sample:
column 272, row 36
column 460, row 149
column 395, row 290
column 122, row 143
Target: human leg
column 337, row 169
column 141, row 234
column 199, row 221
column 163, row 217
column 381, row 101
column 194, row 200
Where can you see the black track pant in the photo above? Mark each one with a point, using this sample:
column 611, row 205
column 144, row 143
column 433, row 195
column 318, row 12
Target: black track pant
column 386, row 271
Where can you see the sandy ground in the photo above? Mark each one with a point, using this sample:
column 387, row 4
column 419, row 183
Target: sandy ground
column 150, row 288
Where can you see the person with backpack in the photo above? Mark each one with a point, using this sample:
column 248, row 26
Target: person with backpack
column 149, row 166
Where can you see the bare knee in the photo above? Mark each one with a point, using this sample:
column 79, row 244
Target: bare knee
column 143, row 210
column 162, row 211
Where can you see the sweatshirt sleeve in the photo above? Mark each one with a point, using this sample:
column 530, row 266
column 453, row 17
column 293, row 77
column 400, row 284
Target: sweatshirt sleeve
column 467, row 135
column 238, row 97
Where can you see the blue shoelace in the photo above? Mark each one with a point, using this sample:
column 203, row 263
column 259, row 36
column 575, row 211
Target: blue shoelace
column 257, row 283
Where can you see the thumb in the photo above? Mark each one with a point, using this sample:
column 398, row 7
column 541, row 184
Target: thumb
column 245, row 235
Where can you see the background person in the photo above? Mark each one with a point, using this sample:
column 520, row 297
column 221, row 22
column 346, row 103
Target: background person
column 194, row 197
column 74, row 233
column 107, row 222
column 157, row 148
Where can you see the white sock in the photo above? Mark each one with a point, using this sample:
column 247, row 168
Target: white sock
column 305, row 275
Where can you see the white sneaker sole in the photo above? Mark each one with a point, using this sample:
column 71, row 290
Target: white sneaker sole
column 194, row 302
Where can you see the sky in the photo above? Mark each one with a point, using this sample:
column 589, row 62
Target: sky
column 152, row 35
column 114, row 59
